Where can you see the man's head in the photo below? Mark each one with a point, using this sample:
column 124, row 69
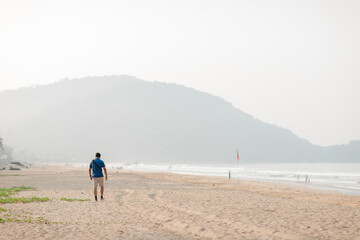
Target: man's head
column 97, row 155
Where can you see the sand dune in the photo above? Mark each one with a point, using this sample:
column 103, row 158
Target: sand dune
column 169, row 206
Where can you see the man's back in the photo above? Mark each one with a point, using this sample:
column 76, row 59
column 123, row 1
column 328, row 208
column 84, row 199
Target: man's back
column 97, row 167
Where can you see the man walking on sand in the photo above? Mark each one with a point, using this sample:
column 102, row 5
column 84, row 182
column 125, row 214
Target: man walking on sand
column 97, row 165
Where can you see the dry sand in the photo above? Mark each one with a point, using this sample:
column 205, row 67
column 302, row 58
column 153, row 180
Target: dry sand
column 170, row 206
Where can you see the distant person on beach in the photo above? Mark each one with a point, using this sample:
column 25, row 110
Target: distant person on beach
column 97, row 165
column 229, row 174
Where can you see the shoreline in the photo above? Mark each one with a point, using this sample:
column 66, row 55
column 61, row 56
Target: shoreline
column 312, row 186
column 347, row 190
column 300, row 185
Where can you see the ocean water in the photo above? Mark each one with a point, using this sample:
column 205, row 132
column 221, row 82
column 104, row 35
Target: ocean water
column 342, row 177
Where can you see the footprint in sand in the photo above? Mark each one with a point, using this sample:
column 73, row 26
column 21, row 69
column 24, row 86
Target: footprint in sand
column 152, row 196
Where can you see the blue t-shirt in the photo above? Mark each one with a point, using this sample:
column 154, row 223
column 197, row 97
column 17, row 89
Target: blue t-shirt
column 97, row 171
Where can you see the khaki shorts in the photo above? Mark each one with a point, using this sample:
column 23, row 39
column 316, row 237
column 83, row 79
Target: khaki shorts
column 98, row 181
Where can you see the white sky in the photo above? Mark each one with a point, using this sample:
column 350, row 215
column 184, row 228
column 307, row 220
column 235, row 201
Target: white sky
column 293, row 63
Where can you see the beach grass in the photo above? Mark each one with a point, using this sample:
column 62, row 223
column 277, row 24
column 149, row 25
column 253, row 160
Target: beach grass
column 21, row 216
column 23, row 200
column 74, row 199
column 6, row 192
column 5, row 195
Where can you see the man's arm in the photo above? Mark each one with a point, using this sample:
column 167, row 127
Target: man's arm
column 90, row 173
column 105, row 173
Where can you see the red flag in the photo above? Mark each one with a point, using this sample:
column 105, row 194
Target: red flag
column 237, row 152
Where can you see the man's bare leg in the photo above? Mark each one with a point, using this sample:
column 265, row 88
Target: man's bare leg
column 102, row 192
column 95, row 193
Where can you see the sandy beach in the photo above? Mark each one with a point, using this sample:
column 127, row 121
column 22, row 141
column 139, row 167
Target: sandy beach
column 170, row 206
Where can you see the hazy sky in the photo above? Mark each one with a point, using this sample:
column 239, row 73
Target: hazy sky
column 295, row 64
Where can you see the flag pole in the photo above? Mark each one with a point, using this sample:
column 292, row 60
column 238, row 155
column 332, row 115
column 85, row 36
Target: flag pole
column 238, row 169
column 237, row 156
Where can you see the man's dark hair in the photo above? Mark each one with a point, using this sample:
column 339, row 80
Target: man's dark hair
column 98, row 155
